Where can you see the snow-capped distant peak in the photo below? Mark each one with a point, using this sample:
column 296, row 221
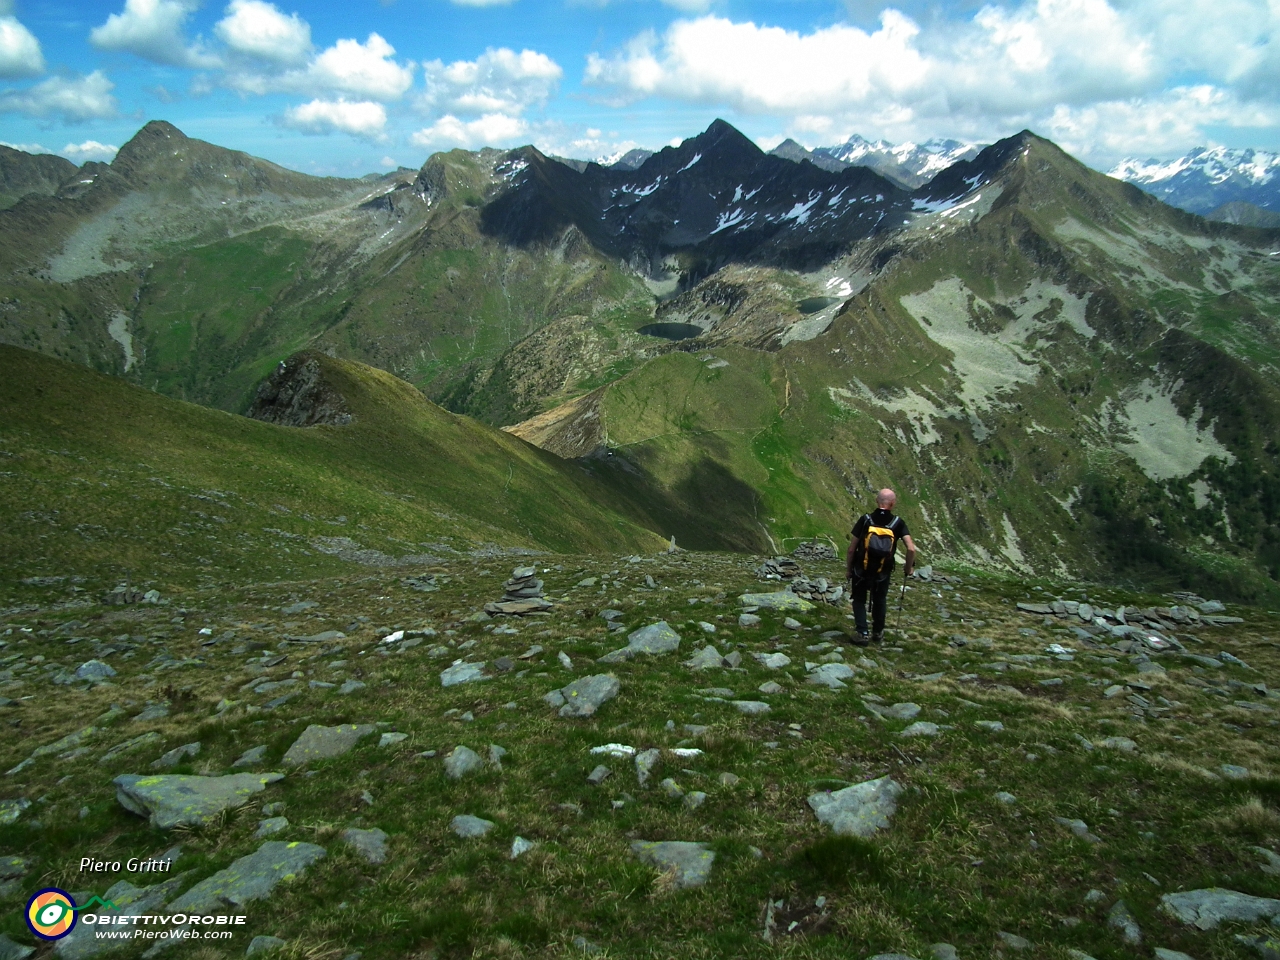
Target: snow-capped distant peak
column 1208, row 177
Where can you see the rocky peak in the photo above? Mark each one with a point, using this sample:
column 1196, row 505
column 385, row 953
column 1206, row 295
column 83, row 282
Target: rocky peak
column 297, row 394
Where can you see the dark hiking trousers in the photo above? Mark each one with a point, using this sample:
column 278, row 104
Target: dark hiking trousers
column 879, row 590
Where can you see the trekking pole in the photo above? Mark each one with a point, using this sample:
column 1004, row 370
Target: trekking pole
column 902, row 595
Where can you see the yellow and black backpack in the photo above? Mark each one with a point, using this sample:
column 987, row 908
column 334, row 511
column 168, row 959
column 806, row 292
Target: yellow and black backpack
column 874, row 555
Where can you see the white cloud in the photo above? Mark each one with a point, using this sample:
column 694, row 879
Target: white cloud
column 360, row 119
column 497, row 82
column 363, row 69
column 71, row 98
column 20, row 54
column 490, row 130
column 1152, row 126
column 89, row 150
column 25, row 147
column 153, row 30
column 1161, row 69
column 256, row 29
column 389, row 162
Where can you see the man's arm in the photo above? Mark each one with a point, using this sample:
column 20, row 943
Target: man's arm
column 911, row 554
column 855, row 537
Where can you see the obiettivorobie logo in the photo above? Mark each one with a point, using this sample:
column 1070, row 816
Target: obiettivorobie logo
column 51, row 913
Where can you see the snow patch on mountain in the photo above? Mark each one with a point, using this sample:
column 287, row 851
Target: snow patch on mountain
column 1208, row 177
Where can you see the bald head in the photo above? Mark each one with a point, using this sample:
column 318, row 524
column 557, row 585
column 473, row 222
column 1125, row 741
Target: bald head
column 886, row 499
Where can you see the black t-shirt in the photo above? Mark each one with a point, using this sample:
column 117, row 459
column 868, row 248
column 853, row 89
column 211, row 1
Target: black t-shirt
column 880, row 518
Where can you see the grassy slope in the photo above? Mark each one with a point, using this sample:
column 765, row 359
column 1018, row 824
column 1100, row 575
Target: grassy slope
column 101, row 478
column 956, row 865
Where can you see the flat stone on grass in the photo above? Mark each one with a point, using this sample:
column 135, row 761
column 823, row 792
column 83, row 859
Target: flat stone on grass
column 324, row 743
column 1207, row 908
column 584, row 696
column 469, row 827
column 751, row 708
column 781, row 600
column 250, row 878
column 175, row 756
column 860, row 810
column 689, row 864
column 370, row 845
column 169, row 800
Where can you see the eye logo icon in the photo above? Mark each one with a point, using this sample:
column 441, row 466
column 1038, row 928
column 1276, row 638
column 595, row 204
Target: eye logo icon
column 51, row 914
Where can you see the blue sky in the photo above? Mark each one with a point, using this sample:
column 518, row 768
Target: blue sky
column 354, row 87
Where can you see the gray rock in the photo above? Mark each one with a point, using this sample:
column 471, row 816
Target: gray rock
column 831, row 675
column 671, row 789
column 462, row 672
column 154, row 711
column 12, row 868
column 921, row 728
column 791, row 623
column 1121, row 919
column 461, row 761
column 11, row 810
column 1212, row 606
column 521, row 846
column 655, row 638
column 1233, row 772
column 991, row 726
column 901, row 711
column 586, row 695
column 1272, row 864
column 350, row 686
column 1013, row 941
column 1207, row 908
column 324, row 743
column 645, row 761
column 371, row 845
column 1078, row 828
column 1123, row 744
column 250, row 878
column 728, row 779
column 271, row 826
column 1075, row 954
column 751, row 708
column 770, row 687
column 1008, row 799
column 175, row 756
column 772, row 661
column 69, row 742
column 599, row 775
column 1165, row 954
column 860, row 810
column 733, row 658
column 694, row 799
column 748, row 620
column 469, row 827
column 496, row 753
column 172, row 800
column 263, row 943
column 391, row 739
column 782, row 600
column 251, row 757
column 10, row 950
column 1268, row 948
column 943, row 951
column 689, row 864
column 708, row 658
column 94, row 671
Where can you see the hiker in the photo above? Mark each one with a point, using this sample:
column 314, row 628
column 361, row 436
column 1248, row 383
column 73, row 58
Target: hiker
column 869, row 562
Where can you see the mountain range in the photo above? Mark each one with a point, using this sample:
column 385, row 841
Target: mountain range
column 1059, row 372
column 1239, row 186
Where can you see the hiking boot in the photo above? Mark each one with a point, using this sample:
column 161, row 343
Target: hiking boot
column 878, row 637
column 859, row 639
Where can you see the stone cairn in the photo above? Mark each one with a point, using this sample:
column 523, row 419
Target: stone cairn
column 778, row 568
column 813, row 551
column 521, row 594
column 819, row 590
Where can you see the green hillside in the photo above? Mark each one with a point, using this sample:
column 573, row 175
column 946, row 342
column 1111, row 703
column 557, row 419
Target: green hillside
column 102, row 479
